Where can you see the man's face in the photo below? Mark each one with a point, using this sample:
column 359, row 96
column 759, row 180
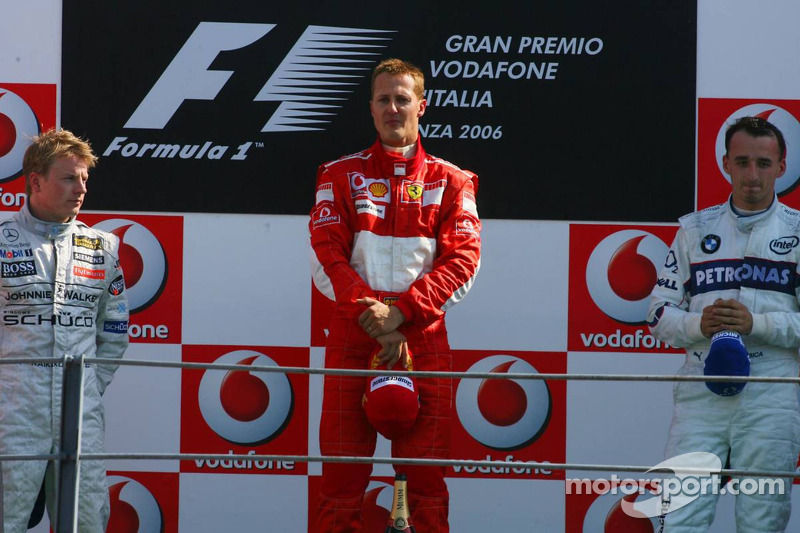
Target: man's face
column 753, row 163
column 396, row 109
column 57, row 195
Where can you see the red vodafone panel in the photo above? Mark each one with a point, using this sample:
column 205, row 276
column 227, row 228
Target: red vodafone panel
column 508, row 419
column 375, row 508
column 26, row 109
column 151, row 254
column 240, row 412
column 612, row 270
column 143, row 501
column 713, row 117
column 597, row 506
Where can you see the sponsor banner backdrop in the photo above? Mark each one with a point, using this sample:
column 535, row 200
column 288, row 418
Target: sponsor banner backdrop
column 375, row 508
column 151, row 254
column 509, row 420
column 26, row 109
column 149, row 499
column 244, row 413
column 714, row 115
column 613, row 269
column 247, row 100
column 590, row 512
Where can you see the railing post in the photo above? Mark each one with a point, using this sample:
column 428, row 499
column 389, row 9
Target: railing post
column 68, row 467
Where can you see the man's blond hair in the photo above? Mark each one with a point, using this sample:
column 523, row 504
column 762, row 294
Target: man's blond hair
column 398, row 67
column 51, row 146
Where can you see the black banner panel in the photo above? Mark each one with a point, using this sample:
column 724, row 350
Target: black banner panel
column 577, row 110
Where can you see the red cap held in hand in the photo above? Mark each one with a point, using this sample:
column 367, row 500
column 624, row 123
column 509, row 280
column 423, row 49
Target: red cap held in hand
column 390, row 402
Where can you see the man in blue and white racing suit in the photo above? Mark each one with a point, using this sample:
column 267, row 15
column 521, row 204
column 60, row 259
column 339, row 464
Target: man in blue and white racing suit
column 734, row 267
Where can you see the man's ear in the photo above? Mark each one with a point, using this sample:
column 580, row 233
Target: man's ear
column 35, row 180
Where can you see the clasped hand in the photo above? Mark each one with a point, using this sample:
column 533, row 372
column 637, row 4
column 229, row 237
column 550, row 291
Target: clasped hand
column 381, row 321
column 726, row 315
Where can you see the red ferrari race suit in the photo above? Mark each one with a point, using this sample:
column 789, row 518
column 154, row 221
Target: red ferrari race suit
column 406, row 232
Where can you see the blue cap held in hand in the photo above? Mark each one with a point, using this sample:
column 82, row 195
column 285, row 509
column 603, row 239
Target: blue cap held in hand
column 727, row 357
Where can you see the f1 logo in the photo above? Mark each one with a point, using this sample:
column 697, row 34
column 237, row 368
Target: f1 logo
column 312, row 78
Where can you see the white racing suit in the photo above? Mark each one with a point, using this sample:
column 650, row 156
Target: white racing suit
column 752, row 259
column 61, row 292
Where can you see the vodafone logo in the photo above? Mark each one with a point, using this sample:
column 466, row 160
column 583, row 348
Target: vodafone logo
column 247, row 408
column 143, row 261
column 133, row 508
column 503, row 414
column 607, row 516
column 357, row 181
column 784, row 121
column 18, row 124
column 376, row 507
column 622, row 271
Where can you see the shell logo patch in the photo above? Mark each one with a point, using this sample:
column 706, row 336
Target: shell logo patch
column 378, row 189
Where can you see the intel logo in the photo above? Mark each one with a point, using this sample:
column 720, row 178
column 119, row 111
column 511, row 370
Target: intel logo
column 783, row 245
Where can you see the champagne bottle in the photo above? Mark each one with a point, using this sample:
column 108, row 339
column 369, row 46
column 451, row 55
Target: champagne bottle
column 400, row 518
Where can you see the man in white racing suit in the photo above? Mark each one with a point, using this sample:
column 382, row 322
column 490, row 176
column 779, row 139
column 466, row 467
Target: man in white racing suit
column 61, row 293
column 734, row 267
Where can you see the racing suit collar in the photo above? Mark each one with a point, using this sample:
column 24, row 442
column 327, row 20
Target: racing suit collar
column 47, row 230
column 395, row 165
column 746, row 222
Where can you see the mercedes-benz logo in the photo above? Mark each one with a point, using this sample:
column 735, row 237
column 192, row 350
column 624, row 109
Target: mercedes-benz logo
column 11, row 235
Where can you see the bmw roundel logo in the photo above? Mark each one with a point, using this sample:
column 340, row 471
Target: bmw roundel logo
column 503, row 414
column 18, row 124
column 247, row 408
column 784, row 121
column 710, row 243
column 133, row 508
column 144, row 262
column 622, row 271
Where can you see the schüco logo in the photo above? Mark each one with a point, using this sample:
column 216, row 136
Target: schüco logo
column 242, row 407
column 622, row 271
column 784, row 121
column 143, row 260
column 18, row 124
column 503, row 414
column 310, row 84
column 133, row 508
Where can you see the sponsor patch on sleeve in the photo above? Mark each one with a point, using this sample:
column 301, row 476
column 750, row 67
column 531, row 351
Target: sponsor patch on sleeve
column 468, row 201
column 117, row 286
column 466, row 225
column 116, row 326
column 324, row 193
column 324, row 216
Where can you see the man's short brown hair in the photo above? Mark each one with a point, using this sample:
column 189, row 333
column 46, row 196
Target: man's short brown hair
column 398, row 67
column 51, row 146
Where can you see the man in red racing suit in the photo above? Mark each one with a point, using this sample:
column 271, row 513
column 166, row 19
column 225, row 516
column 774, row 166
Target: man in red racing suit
column 396, row 241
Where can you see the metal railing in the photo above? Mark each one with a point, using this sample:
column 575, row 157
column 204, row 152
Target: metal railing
column 68, row 459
